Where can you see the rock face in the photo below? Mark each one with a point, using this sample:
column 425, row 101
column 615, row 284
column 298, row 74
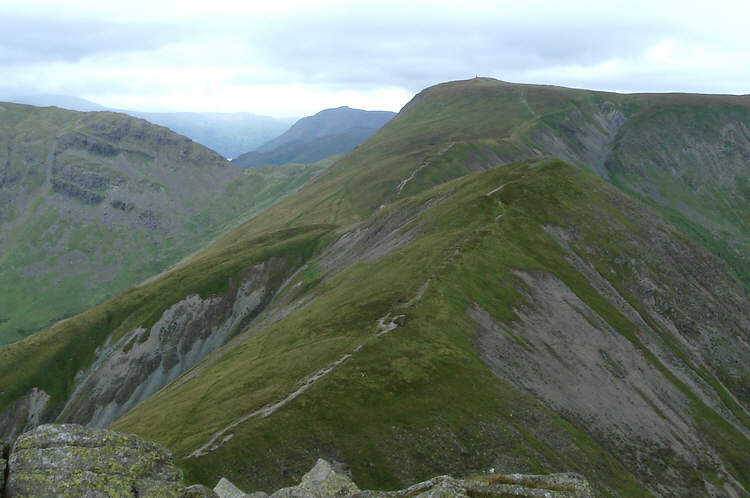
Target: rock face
column 199, row 491
column 143, row 361
column 93, row 174
column 322, row 481
column 225, row 489
column 70, row 460
column 326, row 481
column 3, row 464
column 24, row 414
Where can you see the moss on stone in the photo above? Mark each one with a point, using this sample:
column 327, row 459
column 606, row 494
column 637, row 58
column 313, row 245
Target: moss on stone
column 69, row 460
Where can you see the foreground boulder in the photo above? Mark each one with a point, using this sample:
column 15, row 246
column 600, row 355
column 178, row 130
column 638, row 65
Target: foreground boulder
column 225, row 489
column 322, row 481
column 70, row 460
column 74, row 461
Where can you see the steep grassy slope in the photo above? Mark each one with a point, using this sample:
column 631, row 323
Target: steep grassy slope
column 404, row 334
column 685, row 155
column 91, row 203
column 52, row 358
column 690, row 159
column 424, row 316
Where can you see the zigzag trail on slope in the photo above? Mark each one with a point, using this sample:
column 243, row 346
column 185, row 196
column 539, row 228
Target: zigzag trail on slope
column 269, row 409
column 384, row 325
column 425, row 162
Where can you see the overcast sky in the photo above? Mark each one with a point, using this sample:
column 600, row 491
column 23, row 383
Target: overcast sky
column 291, row 58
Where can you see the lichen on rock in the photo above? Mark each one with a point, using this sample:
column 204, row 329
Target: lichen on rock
column 70, row 460
column 74, row 461
column 497, row 485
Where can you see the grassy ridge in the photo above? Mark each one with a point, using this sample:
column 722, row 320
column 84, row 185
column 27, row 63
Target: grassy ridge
column 417, row 401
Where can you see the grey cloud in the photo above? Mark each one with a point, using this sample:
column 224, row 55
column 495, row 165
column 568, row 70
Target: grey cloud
column 356, row 51
column 363, row 50
column 25, row 40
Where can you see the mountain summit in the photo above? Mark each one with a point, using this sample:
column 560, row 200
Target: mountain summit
column 329, row 132
column 525, row 278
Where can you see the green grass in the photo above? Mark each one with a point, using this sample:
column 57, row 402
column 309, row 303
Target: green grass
column 51, row 359
column 422, row 387
column 61, row 256
column 419, row 401
column 706, row 200
column 424, row 379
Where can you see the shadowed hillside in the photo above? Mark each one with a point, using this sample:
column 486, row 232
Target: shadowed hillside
column 329, row 132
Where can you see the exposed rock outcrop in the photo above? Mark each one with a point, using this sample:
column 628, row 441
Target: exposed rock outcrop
column 24, row 414
column 144, row 360
column 3, row 468
column 199, row 491
column 70, row 460
column 327, row 481
column 323, row 480
column 500, row 485
column 3, row 465
column 225, row 489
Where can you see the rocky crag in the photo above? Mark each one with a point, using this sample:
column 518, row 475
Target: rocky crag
column 326, row 480
column 73, row 461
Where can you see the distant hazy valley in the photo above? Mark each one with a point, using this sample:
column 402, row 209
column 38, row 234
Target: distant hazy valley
column 229, row 134
column 260, row 140
column 526, row 278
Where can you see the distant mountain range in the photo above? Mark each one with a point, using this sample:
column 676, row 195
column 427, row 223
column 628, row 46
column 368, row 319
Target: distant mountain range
column 522, row 278
column 329, row 132
column 229, row 134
